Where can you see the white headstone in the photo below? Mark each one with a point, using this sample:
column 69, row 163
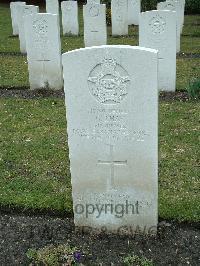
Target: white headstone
column 70, row 17
column 134, row 9
column 93, row 1
column 157, row 30
column 173, row 6
column 112, row 119
column 44, row 51
column 14, row 16
column 95, row 30
column 24, row 11
column 52, row 6
column 119, row 10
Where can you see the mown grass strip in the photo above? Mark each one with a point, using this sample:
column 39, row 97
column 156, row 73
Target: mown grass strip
column 34, row 162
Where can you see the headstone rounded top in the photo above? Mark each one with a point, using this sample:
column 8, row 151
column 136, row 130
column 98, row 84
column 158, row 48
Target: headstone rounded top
column 107, row 47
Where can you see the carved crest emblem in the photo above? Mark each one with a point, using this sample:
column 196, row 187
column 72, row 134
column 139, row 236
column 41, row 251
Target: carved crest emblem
column 94, row 11
column 157, row 24
column 170, row 4
column 109, row 82
column 40, row 28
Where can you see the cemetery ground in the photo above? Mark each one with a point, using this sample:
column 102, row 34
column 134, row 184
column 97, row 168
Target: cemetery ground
column 35, row 190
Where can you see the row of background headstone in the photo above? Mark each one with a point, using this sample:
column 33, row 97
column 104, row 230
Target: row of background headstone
column 156, row 31
column 124, row 13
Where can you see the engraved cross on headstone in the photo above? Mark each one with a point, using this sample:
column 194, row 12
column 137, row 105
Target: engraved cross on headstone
column 112, row 164
column 43, row 61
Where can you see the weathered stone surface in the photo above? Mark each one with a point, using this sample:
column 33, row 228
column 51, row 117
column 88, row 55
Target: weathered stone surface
column 14, row 16
column 44, row 51
column 95, row 30
column 70, row 17
column 24, row 11
column 112, row 118
column 52, row 7
column 93, row 1
column 174, row 6
column 158, row 31
column 119, row 17
column 134, row 9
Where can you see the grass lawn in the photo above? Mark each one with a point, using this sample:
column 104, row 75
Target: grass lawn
column 34, row 166
column 34, row 163
column 14, row 71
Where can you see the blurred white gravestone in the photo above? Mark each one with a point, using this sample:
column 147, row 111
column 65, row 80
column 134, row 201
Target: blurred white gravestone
column 134, row 9
column 52, row 6
column 180, row 4
column 44, row 51
column 112, row 120
column 14, row 16
column 95, row 30
column 24, row 11
column 119, row 10
column 173, row 6
column 157, row 30
column 93, row 1
column 70, row 17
